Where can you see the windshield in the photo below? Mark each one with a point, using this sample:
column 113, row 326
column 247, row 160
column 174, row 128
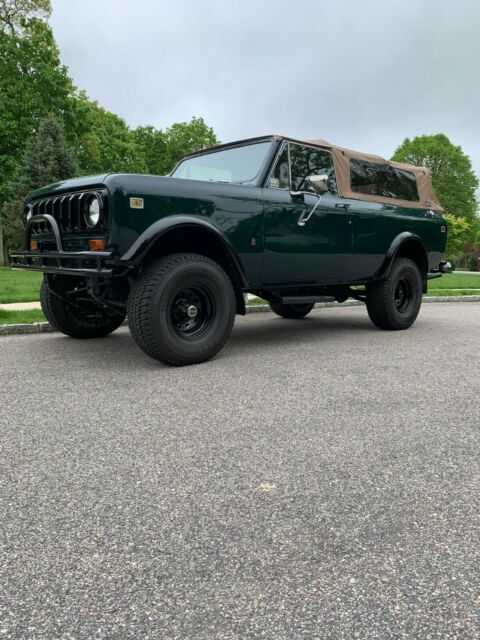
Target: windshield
column 239, row 164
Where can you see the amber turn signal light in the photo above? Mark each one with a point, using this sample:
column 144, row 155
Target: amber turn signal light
column 33, row 245
column 97, row 245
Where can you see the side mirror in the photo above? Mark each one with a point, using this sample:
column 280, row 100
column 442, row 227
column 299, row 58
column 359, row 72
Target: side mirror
column 319, row 183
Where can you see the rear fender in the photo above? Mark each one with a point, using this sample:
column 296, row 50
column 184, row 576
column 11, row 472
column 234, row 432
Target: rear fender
column 406, row 245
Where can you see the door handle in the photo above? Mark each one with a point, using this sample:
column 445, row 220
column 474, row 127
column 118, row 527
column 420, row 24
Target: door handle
column 343, row 205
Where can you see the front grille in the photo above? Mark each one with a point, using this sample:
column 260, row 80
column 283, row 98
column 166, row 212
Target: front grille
column 68, row 210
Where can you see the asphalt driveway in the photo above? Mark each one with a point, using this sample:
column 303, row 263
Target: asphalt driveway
column 318, row 479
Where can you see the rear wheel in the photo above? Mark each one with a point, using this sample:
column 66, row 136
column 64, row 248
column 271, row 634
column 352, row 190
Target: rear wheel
column 293, row 311
column 67, row 307
column 181, row 309
column 394, row 303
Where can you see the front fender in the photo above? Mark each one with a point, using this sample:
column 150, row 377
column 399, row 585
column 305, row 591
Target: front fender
column 139, row 249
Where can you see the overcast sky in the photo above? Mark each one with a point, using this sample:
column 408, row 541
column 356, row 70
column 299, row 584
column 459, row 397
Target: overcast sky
column 360, row 73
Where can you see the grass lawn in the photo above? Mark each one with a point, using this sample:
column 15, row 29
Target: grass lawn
column 454, row 281
column 21, row 317
column 19, row 286
column 453, row 292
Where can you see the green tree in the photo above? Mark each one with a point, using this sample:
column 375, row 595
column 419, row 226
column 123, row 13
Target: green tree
column 162, row 149
column 104, row 142
column 152, row 143
column 46, row 159
column 459, row 229
column 186, row 137
column 452, row 175
column 13, row 12
column 33, row 84
column 472, row 248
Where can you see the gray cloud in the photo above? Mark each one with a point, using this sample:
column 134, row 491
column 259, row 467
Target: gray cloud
column 360, row 74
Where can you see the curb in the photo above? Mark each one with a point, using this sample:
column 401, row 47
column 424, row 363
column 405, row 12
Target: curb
column 35, row 327
column 45, row 327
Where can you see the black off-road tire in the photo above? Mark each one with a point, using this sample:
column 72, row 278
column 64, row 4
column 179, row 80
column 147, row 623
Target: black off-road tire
column 293, row 311
column 394, row 303
column 76, row 321
column 163, row 296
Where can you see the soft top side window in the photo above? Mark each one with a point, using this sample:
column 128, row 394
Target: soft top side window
column 377, row 179
column 305, row 161
column 308, row 161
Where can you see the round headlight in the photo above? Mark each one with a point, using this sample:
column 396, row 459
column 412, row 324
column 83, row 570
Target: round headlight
column 92, row 214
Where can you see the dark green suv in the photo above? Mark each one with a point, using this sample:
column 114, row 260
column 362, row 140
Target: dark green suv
column 292, row 222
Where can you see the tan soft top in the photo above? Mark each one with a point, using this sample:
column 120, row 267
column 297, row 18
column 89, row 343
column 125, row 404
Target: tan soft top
column 341, row 161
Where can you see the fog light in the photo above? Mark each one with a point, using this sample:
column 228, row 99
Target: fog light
column 33, row 245
column 97, row 245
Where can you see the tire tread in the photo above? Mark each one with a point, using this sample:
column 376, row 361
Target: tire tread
column 139, row 307
column 379, row 303
column 65, row 321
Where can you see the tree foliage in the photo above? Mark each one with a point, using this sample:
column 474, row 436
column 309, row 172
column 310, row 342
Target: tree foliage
column 186, row 137
column 46, row 159
column 452, row 175
column 104, row 142
column 33, row 84
column 153, row 145
column 14, row 12
column 459, row 229
column 472, row 247
column 162, row 149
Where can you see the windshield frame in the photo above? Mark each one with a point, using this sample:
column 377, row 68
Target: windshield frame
column 259, row 179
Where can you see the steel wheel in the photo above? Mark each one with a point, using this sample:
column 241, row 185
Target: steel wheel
column 403, row 294
column 192, row 312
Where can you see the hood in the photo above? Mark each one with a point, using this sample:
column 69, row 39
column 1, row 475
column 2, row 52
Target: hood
column 72, row 184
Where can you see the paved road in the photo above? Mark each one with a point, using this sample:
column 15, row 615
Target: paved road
column 318, row 479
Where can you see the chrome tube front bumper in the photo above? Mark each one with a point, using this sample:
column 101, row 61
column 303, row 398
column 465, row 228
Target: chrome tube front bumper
column 86, row 263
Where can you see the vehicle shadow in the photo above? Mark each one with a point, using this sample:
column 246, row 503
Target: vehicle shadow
column 314, row 328
column 259, row 333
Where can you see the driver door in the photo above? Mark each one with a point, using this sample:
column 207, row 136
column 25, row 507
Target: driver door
column 314, row 253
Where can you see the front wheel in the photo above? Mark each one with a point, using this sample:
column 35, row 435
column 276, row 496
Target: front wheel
column 394, row 303
column 293, row 311
column 181, row 309
column 69, row 309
